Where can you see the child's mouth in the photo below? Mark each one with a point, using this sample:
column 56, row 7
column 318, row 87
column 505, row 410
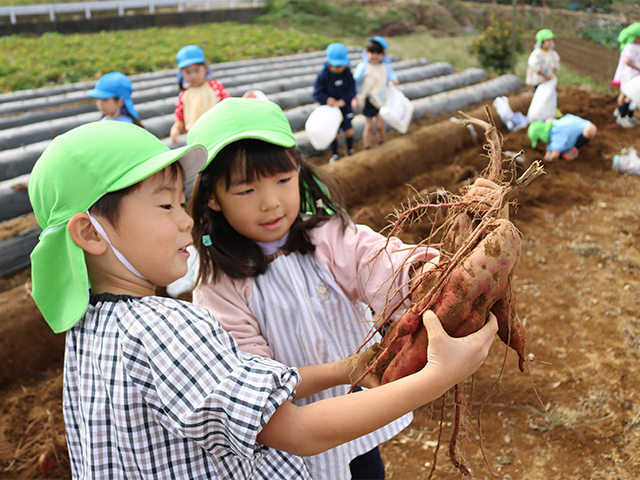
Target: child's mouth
column 273, row 224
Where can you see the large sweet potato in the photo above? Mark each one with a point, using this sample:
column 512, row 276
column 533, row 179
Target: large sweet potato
column 462, row 303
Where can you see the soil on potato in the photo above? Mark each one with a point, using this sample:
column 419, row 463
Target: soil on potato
column 577, row 293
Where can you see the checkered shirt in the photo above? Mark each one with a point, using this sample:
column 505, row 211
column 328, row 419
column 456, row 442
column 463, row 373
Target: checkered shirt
column 155, row 388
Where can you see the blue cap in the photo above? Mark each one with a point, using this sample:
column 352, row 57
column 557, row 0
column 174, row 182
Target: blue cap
column 115, row 85
column 380, row 40
column 337, row 55
column 189, row 55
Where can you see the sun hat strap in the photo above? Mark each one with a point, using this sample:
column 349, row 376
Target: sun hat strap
column 124, row 261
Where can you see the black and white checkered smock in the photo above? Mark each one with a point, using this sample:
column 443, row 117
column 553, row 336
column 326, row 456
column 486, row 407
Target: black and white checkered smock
column 155, row 388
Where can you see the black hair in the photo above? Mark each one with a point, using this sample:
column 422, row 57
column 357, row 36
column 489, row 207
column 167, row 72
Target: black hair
column 374, row 47
column 124, row 111
column 108, row 206
column 232, row 253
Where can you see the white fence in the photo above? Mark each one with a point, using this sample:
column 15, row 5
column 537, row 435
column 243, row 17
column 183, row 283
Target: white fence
column 120, row 6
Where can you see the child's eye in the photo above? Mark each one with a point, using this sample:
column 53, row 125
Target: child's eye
column 166, row 207
column 284, row 180
column 246, row 192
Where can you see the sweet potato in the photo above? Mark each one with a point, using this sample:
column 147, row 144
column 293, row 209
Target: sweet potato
column 462, row 304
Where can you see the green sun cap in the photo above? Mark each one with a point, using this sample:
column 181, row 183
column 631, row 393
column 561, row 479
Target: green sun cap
column 539, row 130
column 544, row 34
column 74, row 171
column 233, row 119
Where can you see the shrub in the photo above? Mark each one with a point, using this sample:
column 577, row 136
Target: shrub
column 493, row 47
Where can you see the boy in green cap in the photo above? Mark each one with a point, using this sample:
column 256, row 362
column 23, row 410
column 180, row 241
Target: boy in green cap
column 154, row 387
column 564, row 137
column 544, row 61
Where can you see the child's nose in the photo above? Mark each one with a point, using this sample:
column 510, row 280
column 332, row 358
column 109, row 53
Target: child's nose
column 186, row 222
column 269, row 201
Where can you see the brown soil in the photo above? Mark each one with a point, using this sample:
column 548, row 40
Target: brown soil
column 577, row 292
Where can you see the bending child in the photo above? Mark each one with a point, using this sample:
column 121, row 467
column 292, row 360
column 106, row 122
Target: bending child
column 373, row 77
column 200, row 92
column 282, row 266
column 564, row 137
column 336, row 87
column 154, row 387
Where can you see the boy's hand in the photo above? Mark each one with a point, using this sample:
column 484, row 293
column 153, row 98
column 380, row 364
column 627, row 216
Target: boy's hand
column 331, row 102
column 354, row 103
column 457, row 358
column 358, row 364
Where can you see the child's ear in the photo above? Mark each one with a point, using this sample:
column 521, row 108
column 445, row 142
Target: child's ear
column 85, row 235
column 213, row 204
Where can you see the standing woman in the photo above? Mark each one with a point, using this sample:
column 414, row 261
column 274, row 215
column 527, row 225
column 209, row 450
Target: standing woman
column 544, row 61
column 113, row 93
column 628, row 68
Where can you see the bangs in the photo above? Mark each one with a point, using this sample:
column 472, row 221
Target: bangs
column 252, row 159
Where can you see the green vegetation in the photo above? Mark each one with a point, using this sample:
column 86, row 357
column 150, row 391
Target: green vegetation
column 493, row 48
column 604, row 36
column 31, row 62
column 327, row 17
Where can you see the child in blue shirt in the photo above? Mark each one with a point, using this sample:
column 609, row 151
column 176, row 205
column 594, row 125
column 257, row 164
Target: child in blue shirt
column 564, row 137
column 372, row 77
column 336, row 87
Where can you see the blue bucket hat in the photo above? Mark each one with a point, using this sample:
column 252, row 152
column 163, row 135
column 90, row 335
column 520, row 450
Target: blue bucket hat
column 380, row 40
column 115, row 85
column 190, row 55
column 337, row 55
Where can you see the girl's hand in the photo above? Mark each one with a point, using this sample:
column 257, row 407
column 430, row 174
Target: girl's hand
column 456, row 358
column 354, row 103
column 394, row 82
column 175, row 133
column 358, row 364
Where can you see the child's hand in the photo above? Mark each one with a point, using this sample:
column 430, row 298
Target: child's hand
column 354, row 103
column 358, row 364
column 455, row 359
column 175, row 132
column 340, row 103
column 331, row 102
column 394, row 81
column 552, row 156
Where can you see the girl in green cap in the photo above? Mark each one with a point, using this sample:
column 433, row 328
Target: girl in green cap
column 544, row 61
column 282, row 266
column 628, row 68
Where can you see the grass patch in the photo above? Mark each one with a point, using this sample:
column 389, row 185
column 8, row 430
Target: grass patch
column 31, row 62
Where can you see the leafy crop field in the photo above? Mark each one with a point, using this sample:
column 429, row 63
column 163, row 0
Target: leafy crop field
column 28, row 62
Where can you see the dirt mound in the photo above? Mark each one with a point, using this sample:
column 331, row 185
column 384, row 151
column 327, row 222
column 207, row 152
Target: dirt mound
column 577, row 291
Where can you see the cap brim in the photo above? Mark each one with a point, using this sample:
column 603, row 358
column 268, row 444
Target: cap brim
column 191, row 157
column 269, row 136
column 97, row 93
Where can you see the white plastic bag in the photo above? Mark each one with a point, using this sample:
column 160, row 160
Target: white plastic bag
column 513, row 120
column 631, row 89
column 397, row 110
column 544, row 102
column 322, row 126
column 627, row 162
